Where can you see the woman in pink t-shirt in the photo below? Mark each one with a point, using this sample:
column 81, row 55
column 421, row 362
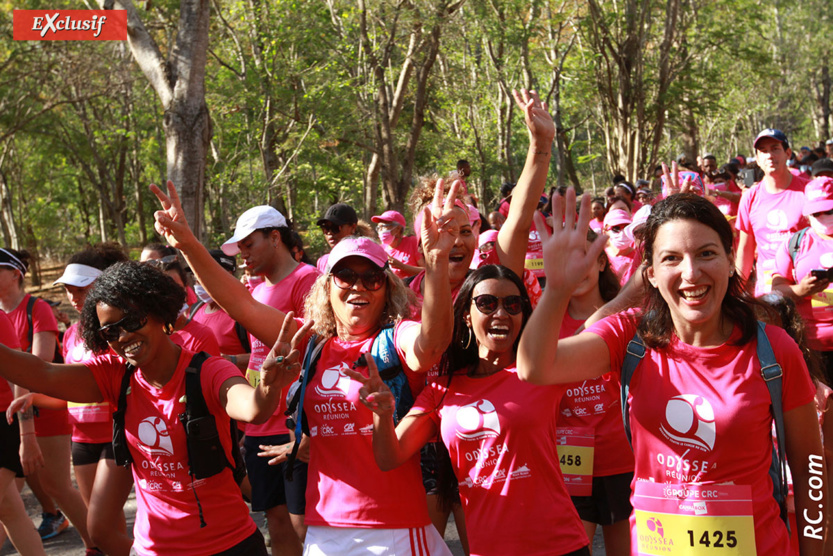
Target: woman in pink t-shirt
column 128, row 318
column 352, row 507
column 699, row 408
column 499, row 431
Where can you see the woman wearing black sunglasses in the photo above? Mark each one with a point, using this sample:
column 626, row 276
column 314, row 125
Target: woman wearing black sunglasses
column 352, row 507
column 499, row 431
column 130, row 310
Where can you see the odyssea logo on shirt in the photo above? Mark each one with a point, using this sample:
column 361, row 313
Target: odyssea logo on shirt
column 689, row 421
column 154, row 438
column 477, row 420
column 777, row 220
column 70, row 25
column 334, row 382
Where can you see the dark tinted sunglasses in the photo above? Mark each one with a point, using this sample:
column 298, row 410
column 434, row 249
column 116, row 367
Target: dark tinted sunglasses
column 328, row 228
column 488, row 304
column 346, row 278
column 130, row 323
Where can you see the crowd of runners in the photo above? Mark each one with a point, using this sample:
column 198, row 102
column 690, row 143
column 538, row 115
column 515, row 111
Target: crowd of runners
column 654, row 361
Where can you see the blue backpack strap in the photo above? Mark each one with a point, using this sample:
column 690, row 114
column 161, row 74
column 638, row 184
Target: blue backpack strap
column 772, row 374
column 390, row 369
column 295, row 405
column 633, row 356
column 794, row 243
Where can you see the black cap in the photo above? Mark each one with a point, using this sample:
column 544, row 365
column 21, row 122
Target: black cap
column 226, row 261
column 339, row 214
column 822, row 165
column 776, row 134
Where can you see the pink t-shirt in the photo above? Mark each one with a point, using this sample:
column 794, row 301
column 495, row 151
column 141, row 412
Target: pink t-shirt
column 43, row 320
column 167, row 516
column 406, row 252
column 726, row 206
column 91, row 422
column 535, row 252
column 8, row 337
column 500, row 434
column 196, row 337
column 223, row 327
column 287, row 295
column 701, row 415
column 597, row 226
column 771, row 218
column 814, row 253
column 345, row 487
column 595, row 403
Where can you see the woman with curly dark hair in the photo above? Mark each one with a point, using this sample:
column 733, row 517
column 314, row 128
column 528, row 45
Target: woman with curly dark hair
column 127, row 320
column 499, row 431
column 699, row 409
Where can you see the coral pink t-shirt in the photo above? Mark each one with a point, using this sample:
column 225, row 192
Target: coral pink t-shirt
column 345, row 487
column 701, row 415
column 535, row 252
column 814, row 253
column 91, row 422
column 287, row 295
column 8, row 337
column 196, row 337
column 405, row 252
column 595, row 403
column 771, row 218
column 726, row 206
column 223, row 327
column 500, row 434
column 167, row 516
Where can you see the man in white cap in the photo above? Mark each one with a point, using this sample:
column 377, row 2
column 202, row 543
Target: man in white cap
column 263, row 239
column 770, row 211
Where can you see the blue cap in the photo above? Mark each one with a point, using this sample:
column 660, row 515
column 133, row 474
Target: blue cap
column 776, row 134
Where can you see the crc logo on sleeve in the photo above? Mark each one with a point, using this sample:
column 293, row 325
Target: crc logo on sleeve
column 689, row 421
column 477, row 420
column 70, row 25
column 154, row 438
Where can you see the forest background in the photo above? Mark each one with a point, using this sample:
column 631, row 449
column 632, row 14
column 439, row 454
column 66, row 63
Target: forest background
column 303, row 103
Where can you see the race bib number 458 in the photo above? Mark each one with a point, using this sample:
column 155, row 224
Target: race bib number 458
column 693, row 519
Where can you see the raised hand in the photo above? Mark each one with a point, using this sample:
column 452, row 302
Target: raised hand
column 567, row 255
column 170, row 221
column 673, row 183
column 537, row 117
column 282, row 365
column 440, row 228
column 374, row 393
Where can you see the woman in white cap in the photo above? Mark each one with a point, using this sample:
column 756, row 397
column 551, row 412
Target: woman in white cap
column 403, row 254
column 352, row 506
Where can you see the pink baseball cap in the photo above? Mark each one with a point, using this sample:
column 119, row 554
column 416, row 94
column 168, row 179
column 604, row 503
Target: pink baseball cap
column 617, row 217
column 819, row 196
column 357, row 247
column 487, row 236
column 390, row 216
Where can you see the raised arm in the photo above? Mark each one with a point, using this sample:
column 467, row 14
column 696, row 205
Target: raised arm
column 74, row 383
column 423, row 345
column 514, row 235
column 542, row 358
column 258, row 319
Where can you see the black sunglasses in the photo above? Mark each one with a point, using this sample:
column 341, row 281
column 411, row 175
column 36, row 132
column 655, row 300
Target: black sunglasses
column 488, row 304
column 329, row 228
column 130, row 323
column 825, row 213
column 346, row 278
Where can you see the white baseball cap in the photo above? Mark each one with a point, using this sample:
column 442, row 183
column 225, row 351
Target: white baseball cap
column 256, row 218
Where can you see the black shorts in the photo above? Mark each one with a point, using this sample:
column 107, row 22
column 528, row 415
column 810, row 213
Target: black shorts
column 428, row 461
column 610, row 501
column 270, row 487
column 10, row 446
column 85, row 453
column 253, row 545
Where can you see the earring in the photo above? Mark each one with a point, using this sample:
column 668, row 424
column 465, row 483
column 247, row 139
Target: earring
column 468, row 343
column 731, row 273
column 168, row 328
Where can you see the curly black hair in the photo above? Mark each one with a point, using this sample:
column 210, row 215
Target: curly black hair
column 132, row 287
column 100, row 255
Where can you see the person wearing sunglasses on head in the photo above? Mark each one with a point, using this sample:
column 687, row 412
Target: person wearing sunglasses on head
column 499, row 431
column 352, row 506
column 339, row 222
column 127, row 318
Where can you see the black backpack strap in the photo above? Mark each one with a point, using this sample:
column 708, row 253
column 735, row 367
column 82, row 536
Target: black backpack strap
column 243, row 336
column 633, row 356
column 794, row 243
column 772, row 373
column 120, row 450
column 194, row 308
column 30, row 305
column 295, row 406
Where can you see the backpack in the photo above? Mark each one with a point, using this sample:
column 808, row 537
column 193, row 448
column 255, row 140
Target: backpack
column 771, row 373
column 795, row 242
column 57, row 357
column 390, row 369
column 206, row 456
column 241, row 332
